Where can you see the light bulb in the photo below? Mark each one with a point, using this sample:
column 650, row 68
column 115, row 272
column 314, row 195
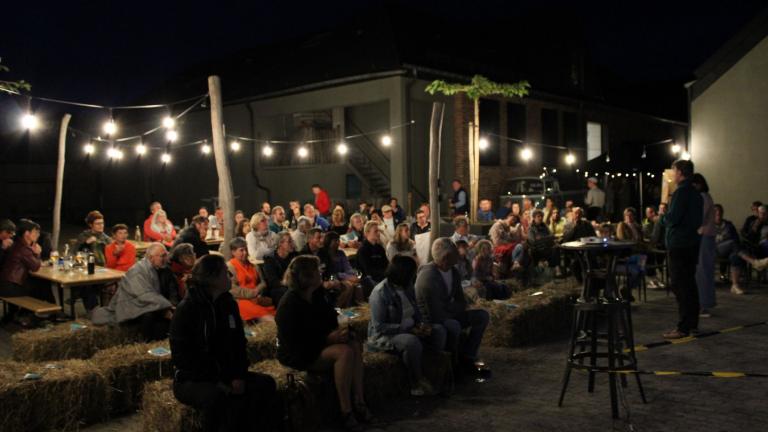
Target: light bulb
column 169, row 122
column 608, row 157
column 235, row 146
column 386, row 140
column 342, row 149
column 89, row 148
column 165, row 158
column 29, row 121
column 141, row 149
column 483, row 144
column 303, row 152
column 685, row 156
column 110, row 127
column 206, row 149
column 570, row 159
column 171, row 135
column 112, row 153
column 526, row 154
column 675, row 148
column 267, row 151
column 118, row 154
column 644, row 155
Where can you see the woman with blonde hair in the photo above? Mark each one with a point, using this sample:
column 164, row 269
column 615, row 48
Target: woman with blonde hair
column 261, row 240
column 402, row 243
column 338, row 221
column 162, row 226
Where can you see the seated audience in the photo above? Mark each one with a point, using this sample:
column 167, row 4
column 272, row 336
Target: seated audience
column 354, row 236
column 311, row 339
column 195, row 234
column 482, row 273
column 260, row 240
column 755, row 245
column 120, row 254
column 93, row 240
column 216, row 220
column 246, row 288
column 556, row 223
column 750, row 220
column 181, row 260
column 339, row 222
column 209, row 355
column 239, row 216
column 364, row 209
column 507, row 237
column 314, row 242
column 242, row 228
column 371, row 257
column 277, row 222
column 389, row 222
column 504, row 210
column 338, row 275
column 275, row 265
column 580, row 227
column 294, row 214
column 422, row 224
column 20, row 259
column 150, row 236
column 541, row 242
column 299, row 235
column 384, row 236
column 162, row 229
column 726, row 237
column 7, row 231
column 649, row 222
column 397, row 326
column 462, row 231
column 203, row 211
column 628, row 229
column 485, row 212
column 397, row 212
column 464, row 264
column 441, row 301
column 316, row 220
column 139, row 298
column 402, row 244
column 549, row 206
column 266, row 208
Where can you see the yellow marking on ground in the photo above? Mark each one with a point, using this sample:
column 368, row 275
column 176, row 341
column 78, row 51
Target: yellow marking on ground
column 728, row 374
column 731, row 329
column 683, row 340
column 666, row 373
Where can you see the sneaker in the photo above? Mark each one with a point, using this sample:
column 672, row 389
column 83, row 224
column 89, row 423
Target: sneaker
column 736, row 290
column 705, row 314
column 674, row 334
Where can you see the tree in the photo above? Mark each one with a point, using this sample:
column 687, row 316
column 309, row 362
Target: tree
column 12, row 86
column 480, row 86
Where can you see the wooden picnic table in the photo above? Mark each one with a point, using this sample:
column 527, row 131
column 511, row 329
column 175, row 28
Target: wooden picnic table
column 68, row 279
column 141, row 247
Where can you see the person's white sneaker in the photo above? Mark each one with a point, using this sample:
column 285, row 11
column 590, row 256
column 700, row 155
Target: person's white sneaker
column 736, row 290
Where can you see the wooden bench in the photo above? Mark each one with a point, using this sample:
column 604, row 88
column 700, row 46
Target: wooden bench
column 29, row 303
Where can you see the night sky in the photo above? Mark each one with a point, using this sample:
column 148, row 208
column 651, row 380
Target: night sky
column 117, row 52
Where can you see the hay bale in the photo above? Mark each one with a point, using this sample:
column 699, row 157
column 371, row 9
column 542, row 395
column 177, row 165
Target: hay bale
column 359, row 324
column 71, row 340
column 261, row 341
column 68, row 394
column 161, row 412
column 385, row 377
column 534, row 319
column 127, row 369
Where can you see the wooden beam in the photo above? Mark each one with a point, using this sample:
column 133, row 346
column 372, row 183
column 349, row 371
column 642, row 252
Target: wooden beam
column 59, row 181
column 226, row 191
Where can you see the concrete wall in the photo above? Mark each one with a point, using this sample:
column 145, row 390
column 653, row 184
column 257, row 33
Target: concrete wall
column 729, row 134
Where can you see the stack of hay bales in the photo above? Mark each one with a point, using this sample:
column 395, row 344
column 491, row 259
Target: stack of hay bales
column 161, row 412
column 385, row 377
column 72, row 340
column 128, row 368
column 261, row 341
column 535, row 317
column 66, row 395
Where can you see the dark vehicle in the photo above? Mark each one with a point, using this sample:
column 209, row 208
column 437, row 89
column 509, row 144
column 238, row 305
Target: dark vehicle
column 538, row 189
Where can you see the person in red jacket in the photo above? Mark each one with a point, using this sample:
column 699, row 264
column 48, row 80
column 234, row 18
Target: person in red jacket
column 149, row 235
column 322, row 201
column 120, row 254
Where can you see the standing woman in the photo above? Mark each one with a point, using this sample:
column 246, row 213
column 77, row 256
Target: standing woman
column 705, row 270
column 311, row 339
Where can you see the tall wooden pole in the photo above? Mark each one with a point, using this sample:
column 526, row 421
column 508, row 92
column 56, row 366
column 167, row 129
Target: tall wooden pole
column 59, row 181
column 475, row 190
column 226, row 192
column 435, row 127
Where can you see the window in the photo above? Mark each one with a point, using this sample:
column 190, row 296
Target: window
column 550, row 136
column 594, row 140
column 516, row 129
column 489, row 130
column 573, row 134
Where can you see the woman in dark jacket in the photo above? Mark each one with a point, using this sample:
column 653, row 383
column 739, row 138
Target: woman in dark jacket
column 208, row 351
column 309, row 338
column 339, row 274
column 275, row 265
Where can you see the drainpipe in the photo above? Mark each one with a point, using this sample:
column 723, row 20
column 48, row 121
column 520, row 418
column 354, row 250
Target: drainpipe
column 688, row 89
column 254, row 160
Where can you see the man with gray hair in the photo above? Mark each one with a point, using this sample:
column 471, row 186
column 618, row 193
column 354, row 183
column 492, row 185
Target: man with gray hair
column 441, row 300
column 595, row 200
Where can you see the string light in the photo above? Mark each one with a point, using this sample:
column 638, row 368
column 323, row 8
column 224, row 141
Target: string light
column 526, row 154
column 676, row 148
column 235, row 146
column 643, row 156
column 267, row 150
column 169, row 123
column 171, row 135
column 165, row 158
column 110, row 127
column 141, row 149
column 89, row 148
column 29, row 121
column 303, row 152
column 483, row 144
column 342, row 149
column 554, row 170
column 570, row 159
column 685, row 156
column 386, row 140
column 206, row 149
column 114, row 153
column 607, row 157
column 577, row 170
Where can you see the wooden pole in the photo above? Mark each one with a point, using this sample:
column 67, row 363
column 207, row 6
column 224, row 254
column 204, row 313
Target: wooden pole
column 59, row 181
column 226, row 191
column 475, row 186
column 435, row 127
column 471, row 159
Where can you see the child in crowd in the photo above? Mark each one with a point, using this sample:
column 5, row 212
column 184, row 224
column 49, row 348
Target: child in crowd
column 464, row 265
column 483, row 273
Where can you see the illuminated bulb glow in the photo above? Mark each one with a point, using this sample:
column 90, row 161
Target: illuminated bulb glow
column 110, row 127
column 89, row 148
column 676, row 148
column 206, row 149
column 570, row 159
column 483, row 144
column 29, row 121
column 342, row 149
column 235, row 146
column 685, row 156
column 169, row 122
column 386, row 140
column 171, row 135
column 141, row 149
column 303, row 152
column 165, row 158
column 267, row 151
column 526, row 154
